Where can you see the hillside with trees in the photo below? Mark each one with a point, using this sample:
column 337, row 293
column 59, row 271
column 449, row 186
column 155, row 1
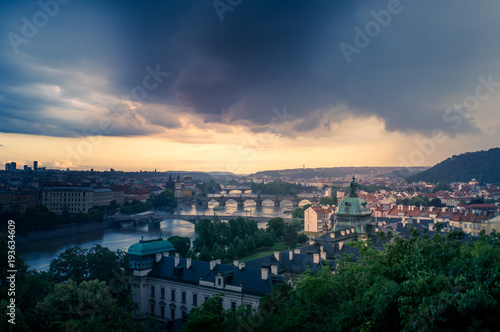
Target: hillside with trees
column 484, row 166
column 418, row 284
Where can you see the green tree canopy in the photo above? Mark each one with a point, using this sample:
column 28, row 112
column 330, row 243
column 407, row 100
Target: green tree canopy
column 182, row 244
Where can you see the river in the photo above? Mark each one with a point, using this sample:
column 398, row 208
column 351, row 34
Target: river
column 38, row 254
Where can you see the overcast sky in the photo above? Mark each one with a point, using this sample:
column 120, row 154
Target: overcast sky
column 247, row 85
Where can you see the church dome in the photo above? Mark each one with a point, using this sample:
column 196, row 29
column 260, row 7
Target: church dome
column 353, row 211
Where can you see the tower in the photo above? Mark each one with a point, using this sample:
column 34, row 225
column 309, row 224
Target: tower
column 353, row 212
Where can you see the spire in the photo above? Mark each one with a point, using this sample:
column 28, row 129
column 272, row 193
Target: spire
column 354, row 185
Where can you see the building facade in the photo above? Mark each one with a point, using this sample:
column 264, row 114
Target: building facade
column 75, row 199
column 318, row 218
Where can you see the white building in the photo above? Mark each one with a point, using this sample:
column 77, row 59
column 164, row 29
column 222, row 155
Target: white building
column 75, row 199
column 317, row 218
column 166, row 287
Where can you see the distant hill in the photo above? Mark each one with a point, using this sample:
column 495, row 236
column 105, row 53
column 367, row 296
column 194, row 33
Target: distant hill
column 337, row 172
column 484, row 166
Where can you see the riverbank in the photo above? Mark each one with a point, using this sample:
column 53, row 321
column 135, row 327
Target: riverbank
column 65, row 230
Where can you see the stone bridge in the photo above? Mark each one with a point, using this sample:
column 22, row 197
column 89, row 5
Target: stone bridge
column 202, row 202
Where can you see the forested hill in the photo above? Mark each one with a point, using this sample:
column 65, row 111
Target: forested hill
column 335, row 172
column 484, row 166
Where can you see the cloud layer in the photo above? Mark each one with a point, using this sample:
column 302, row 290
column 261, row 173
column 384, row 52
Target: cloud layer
column 88, row 63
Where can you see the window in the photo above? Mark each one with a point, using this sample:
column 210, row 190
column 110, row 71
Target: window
column 162, row 292
column 184, row 316
column 183, row 297
column 172, row 313
column 195, row 300
column 233, row 305
column 219, row 281
column 152, row 291
column 152, row 309
column 206, row 298
column 172, row 295
column 162, row 311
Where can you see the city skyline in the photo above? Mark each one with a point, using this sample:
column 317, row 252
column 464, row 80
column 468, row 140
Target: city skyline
column 246, row 86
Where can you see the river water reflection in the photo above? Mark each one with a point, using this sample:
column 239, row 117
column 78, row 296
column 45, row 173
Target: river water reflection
column 38, row 254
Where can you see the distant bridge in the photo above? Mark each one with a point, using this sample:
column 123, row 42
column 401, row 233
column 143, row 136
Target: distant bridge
column 152, row 217
column 258, row 199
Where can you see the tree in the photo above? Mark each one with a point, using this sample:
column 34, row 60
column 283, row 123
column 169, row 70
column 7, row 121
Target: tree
column 419, row 200
column 211, row 317
column 241, row 250
column 82, row 306
column 205, row 254
column 251, row 247
column 70, row 264
column 103, row 264
column 290, row 235
column 165, row 200
column 328, row 201
column 181, row 244
column 79, row 264
column 302, row 238
column 442, row 186
column 231, row 253
column 278, row 225
column 217, row 252
column 266, row 240
column 436, row 202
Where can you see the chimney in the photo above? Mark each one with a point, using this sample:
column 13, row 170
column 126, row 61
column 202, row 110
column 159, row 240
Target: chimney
column 274, row 269
column 296, row 251
column 341, row 244
column 443, row 209
column 212, row 264
column 218, row 261
column 290, row 255
column 241, row 265
column 323, row 255
column 277, row 255
column 315, row 258
column 431, row 208
column 235, row 262
column 188, row 262
column 264, row 272
column 177, row 258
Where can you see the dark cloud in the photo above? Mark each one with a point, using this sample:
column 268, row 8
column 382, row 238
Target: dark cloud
column 264, row 55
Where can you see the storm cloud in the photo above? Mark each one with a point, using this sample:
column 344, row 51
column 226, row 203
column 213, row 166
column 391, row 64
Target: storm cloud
column 420, row 64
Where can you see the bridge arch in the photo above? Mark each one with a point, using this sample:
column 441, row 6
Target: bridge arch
column 250, row 201
column 286, row 201
column 303, row 202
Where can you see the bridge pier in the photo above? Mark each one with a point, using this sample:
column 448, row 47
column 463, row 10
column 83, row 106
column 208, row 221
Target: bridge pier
column 295, row 203
column 241, row 204
column 276, row 203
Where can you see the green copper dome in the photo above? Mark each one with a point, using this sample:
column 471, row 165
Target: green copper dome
column 353, row 204
column 353, row 212
column 149, row 247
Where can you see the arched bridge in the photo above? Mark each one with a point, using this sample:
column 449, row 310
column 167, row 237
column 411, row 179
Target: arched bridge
column 258, row 199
